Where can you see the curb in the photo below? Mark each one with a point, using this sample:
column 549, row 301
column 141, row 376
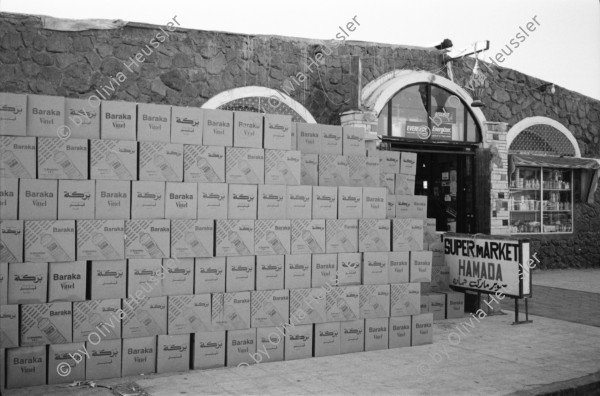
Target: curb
column 588, row 385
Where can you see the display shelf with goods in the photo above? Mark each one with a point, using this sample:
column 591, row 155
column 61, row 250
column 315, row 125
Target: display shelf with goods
column 541, row 201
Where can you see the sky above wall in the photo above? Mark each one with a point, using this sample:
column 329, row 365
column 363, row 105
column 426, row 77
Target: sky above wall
column 563, row 49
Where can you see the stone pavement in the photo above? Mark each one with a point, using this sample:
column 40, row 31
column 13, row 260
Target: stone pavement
column 488, row 357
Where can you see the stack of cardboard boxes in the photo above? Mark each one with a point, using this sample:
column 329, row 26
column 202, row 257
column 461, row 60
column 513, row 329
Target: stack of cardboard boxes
column 141, row 238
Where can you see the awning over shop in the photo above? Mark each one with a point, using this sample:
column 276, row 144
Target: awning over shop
column 590, row 168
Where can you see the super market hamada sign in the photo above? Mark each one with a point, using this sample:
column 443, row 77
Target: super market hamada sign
column 488, row 264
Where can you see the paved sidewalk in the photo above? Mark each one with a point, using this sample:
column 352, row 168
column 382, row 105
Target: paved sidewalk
column 493, row 358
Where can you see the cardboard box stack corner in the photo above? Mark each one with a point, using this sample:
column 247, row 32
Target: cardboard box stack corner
column 193, row 238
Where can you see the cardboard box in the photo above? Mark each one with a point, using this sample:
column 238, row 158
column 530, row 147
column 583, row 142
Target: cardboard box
column 18, row 157
column 389, row 161
column 101, row 239
column 241, row 347
column 209, row 275
column 209, row 350
column 352, row 336
column 353, row 141
column 97, row 319
column 139, row 356
column 3, row 283
column 399, row 332
column 324, row 269
column 362, row 175
column 405, row 184
column 25, row 367
column 62, row 159
column 269, row 344
column 424, row 301
column 350, row 202
column 374, row 203
column 391, row 206
column 240, row 274
column 437, row 305
column 11, row 241
column 272, row 237
column 147, row 239
column 76, row 199
column 242, row 202
column 375, row 268
column 430, row 235
column 203, row 164
column 9, row 334
column 333, row 170
column 455, row 305
column 420, row 206
column 192, row 238
column 14, row 120
column 420, row 266
column 118, row 120
column 173, row 353
column 103, row 360
column 144, row 277
column 234, row 237
column 269, row 308
column 294, row 136
column 278, row 132
column 50, row 240
column 181, row 200
column 186, row 125
column 108, row 279
column 147, row 200
column 343, row 303
column 269, row 272
column 399, row 267
column 113, row 159
column 244, row 165
column 82, row 120
column 299, row 342
column 283, row 167
column 161, row 161
column 217, row 128
column 272, row 201
column 437, row 249
column 298, row 271
column 327, row 339
column 349, row 269
column 408, row 164
column 308, row 236
column 231, row 311
column 376, row 334
column 189, row 314
column 247, row 129
column 440, row 278
column 406, row 299
column 374, row 235
column 144, row 316
column 324, row 202
column 341, row 236
column 153, row 123
column 331, row 139
column 308, row 138
column 178, row 276
column 45, row 115
column 67, row 281
column 212, row 200
column 27, row 283
column 405, row 206
column 374, row 301
column 299, row 202
column 113, row 199
column 9, row 199
column 407, row 235
column 308, row 306
column 61, row 354
column 38, row 199
column 46, row 324
column 388, row 180
column 309, row 169
column 422, row 329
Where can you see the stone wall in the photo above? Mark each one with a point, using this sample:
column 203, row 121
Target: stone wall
column 191, row 66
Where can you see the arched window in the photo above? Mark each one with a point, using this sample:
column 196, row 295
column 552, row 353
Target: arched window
column 426, row 111
column 542, row 136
